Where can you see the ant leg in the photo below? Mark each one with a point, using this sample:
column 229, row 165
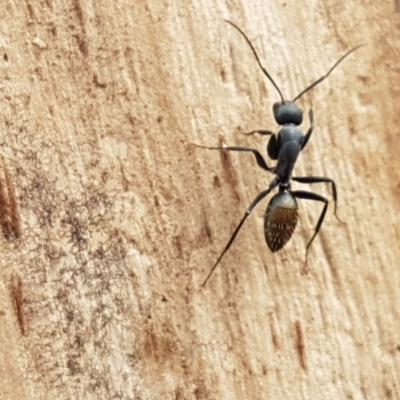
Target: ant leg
column 260, row 160
column 246, row 214
column 260, row 131
column 321, row 179
column 310, row 129
column 272, row 147
column 300, row 194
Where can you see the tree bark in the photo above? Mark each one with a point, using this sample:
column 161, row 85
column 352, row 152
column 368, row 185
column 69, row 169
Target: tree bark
column 122, row 217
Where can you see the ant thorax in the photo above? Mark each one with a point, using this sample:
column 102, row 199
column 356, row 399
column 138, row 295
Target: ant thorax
column 288, row 133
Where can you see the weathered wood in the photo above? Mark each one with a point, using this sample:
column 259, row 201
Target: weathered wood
column 121, row 218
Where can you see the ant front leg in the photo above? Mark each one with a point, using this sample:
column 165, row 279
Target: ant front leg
column 261, row 132
column 260, row 159
column 272, row 147
column 321, row 179
column 310, row 129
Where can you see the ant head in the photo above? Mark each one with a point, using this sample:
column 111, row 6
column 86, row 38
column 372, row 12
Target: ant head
column 286, row 112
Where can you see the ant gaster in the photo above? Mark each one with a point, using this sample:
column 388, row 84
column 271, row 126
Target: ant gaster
column 281, row 215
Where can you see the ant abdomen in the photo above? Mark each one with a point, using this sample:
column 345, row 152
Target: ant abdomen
column 280, row 220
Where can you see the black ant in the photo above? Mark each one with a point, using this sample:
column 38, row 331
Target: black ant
column 281, row 215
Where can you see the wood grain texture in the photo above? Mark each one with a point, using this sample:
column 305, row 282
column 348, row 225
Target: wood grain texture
column 121, row 218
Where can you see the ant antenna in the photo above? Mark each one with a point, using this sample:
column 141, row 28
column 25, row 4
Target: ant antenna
column 269, row 76
column 325, row 76
column 258, row 60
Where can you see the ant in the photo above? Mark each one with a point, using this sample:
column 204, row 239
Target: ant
column 281, row 215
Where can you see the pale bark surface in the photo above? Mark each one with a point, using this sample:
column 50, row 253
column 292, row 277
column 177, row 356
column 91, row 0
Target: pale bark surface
column 122, row 218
